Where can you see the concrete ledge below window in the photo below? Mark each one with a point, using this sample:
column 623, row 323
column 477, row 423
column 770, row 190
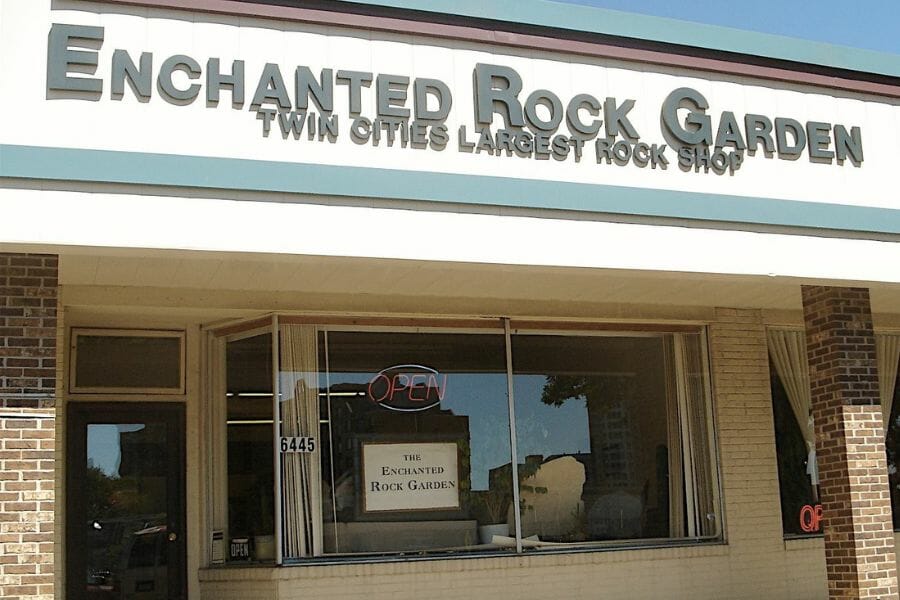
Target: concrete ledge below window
column 379, row 565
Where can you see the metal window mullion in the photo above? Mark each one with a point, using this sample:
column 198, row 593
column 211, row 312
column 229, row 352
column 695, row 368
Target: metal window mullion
column 206, row 410
column 218, row 437
column 514, row 465
column 276, row 437
column 687, row 454
column 334, row 512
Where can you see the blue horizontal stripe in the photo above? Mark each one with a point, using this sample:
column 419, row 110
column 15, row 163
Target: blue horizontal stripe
column 104, row 166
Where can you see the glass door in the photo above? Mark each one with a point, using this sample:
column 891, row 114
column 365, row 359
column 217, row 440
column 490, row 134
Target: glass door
column 125, row 490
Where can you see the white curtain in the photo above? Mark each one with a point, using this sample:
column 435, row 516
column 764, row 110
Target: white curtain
column 787, row 347
column 887, row 346
column 698, row 419
column 676, row 467
column 301, row 477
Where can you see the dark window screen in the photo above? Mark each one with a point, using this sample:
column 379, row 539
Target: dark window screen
column 892, row 448
column 795, row 487
column 108, row 361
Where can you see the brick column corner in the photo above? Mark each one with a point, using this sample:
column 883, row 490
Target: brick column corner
column 28, row 311
column 859, row 538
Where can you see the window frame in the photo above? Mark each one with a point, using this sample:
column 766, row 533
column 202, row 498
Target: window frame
column 491, row 325
column 76, row 332
column 217, row 505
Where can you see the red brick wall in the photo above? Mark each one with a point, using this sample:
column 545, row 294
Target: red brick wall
column 28, row 290
column 859, row 538
column 28, row 295
column 26, row 507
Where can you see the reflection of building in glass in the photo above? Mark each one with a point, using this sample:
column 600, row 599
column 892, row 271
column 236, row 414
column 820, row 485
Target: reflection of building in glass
column 622, row 482
column 612, row 436
column 551, row 494
column 613, row 508
column 142, row 454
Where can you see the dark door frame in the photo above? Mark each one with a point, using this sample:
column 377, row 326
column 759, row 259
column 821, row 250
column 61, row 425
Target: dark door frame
column 78, row 416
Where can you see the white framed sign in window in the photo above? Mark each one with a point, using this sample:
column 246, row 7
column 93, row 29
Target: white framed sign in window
column 408, row 477
column 127, row 361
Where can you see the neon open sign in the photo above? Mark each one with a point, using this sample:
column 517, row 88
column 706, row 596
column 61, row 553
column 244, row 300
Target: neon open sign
column 407, row 388
column 811, row 518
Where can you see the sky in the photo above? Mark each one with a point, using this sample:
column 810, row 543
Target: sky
column 868, row 24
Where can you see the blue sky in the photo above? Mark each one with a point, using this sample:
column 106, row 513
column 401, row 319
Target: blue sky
column 869, row 24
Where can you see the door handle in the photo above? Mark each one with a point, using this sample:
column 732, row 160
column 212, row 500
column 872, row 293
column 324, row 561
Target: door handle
column 172, row 536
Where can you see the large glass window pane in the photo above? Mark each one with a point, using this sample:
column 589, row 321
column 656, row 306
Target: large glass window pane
column 251, row 523
column 399, row 442
column 606, row 428
column 798, row 494
column 414, row 439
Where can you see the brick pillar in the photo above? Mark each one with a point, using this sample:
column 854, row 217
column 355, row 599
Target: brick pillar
column 28, row 295
column 856, row 500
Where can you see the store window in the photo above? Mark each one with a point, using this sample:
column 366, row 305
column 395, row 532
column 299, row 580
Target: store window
column 414, row 424
column 249, row 443
column 400, row 441
column 799, row 494
column 600, row 422
column 794, row 433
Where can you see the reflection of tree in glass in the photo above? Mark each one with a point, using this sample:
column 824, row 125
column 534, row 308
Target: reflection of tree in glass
column 613, row 477
column 609, row 402
column 100, row 492
column 560, row 388
column 109, row 497
column 104, row 539
column 116, row 508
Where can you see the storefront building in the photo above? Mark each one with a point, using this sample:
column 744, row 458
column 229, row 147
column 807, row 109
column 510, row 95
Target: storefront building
column 326, row 299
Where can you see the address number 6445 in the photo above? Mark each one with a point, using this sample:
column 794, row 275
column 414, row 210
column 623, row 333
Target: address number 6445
column 298, row 444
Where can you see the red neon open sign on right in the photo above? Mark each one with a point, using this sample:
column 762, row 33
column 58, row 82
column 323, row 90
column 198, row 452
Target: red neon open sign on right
column 811, row 518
